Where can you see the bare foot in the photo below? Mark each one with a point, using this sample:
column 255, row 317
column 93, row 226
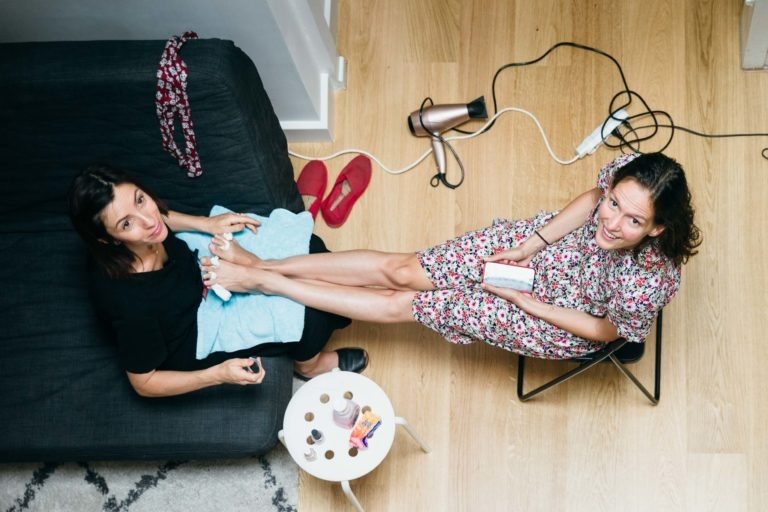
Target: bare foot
column 229, row 250
column 233, row 277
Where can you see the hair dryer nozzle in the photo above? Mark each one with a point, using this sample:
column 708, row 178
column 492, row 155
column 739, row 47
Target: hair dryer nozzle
column 410, row 122
column 476, row 108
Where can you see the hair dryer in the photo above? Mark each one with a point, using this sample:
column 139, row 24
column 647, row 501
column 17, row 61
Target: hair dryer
column 435, row 119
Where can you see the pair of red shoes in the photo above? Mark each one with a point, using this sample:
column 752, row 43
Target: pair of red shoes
column 349, row 186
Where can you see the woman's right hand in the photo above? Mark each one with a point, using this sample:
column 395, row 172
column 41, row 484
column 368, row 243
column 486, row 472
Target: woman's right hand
column 515, row 256
column 235, row 371
column 230, row 223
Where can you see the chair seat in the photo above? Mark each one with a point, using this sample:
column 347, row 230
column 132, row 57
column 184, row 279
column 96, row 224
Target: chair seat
column 629, row 352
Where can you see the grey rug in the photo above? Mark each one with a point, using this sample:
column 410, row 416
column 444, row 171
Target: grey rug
column 268, row 483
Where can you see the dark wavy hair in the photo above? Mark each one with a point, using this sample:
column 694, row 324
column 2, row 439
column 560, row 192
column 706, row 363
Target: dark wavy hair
column 91, row 191
column 665, row 180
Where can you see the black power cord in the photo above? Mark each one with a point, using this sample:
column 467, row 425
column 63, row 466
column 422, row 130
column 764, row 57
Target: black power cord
column 631, row 136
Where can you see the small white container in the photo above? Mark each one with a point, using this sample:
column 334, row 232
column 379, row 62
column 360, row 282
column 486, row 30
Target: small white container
column 310, row 454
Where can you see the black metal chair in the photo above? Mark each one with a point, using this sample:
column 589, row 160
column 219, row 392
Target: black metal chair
column 620, row 352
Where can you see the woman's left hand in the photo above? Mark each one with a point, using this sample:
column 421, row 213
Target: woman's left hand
column 524, row 301
column 231, row 223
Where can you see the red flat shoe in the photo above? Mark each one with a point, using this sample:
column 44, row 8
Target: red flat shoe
column 311, row 183
column 349, row 186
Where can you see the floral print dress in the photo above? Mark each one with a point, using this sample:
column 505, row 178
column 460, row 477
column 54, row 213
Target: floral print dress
column 572, row 273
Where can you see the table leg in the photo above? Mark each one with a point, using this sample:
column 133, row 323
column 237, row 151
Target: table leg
column 281, row 437
column 407, row 426
column 351, row 496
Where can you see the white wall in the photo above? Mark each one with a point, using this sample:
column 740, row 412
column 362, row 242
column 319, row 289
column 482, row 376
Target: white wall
column 290, row 41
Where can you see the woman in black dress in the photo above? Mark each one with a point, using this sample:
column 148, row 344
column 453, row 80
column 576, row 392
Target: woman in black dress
column 146, row 285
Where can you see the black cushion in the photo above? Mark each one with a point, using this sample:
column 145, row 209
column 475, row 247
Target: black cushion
column 64, row 106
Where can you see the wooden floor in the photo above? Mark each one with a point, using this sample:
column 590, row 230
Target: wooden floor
column 593, row 444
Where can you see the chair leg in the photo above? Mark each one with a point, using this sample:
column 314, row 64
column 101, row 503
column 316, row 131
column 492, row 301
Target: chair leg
column 559, row 380
column 656, row 369
column 628, row 374
column 657, row 366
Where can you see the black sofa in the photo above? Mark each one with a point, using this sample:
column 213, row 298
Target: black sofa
column 63, row 106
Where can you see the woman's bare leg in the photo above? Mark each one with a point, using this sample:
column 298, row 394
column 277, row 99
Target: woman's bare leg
column 358, row 303
column 396, row 271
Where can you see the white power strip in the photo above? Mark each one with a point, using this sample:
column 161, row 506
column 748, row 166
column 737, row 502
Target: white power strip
column 594, row 139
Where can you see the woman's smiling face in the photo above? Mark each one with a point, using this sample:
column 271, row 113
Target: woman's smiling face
column 133, row 218
column 625, row 217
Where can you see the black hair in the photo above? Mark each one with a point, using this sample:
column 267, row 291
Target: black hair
column 91, row 191
column 672, row 207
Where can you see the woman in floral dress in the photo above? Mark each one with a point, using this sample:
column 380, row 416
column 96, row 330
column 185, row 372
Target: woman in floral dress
column 604, row 267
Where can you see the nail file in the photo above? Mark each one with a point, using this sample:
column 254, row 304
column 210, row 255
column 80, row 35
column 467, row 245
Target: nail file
column 222, row 292
column 219, row 290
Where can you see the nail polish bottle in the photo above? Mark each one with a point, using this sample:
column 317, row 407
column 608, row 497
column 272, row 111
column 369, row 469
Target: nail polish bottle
column 345, row 412
column 317, row 436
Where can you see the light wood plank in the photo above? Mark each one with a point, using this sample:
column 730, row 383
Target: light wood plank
column 594, row 443
column 717, row 482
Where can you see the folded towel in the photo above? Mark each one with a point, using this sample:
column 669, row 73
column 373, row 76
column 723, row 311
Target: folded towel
column 247, row 320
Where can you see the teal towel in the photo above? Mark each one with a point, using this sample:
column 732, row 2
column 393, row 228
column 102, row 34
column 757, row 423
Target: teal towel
column 247, row 320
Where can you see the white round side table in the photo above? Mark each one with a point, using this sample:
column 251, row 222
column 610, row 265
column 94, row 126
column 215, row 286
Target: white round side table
column 336, row 460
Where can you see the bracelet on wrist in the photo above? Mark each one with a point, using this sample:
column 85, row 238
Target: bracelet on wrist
column 542, row 238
